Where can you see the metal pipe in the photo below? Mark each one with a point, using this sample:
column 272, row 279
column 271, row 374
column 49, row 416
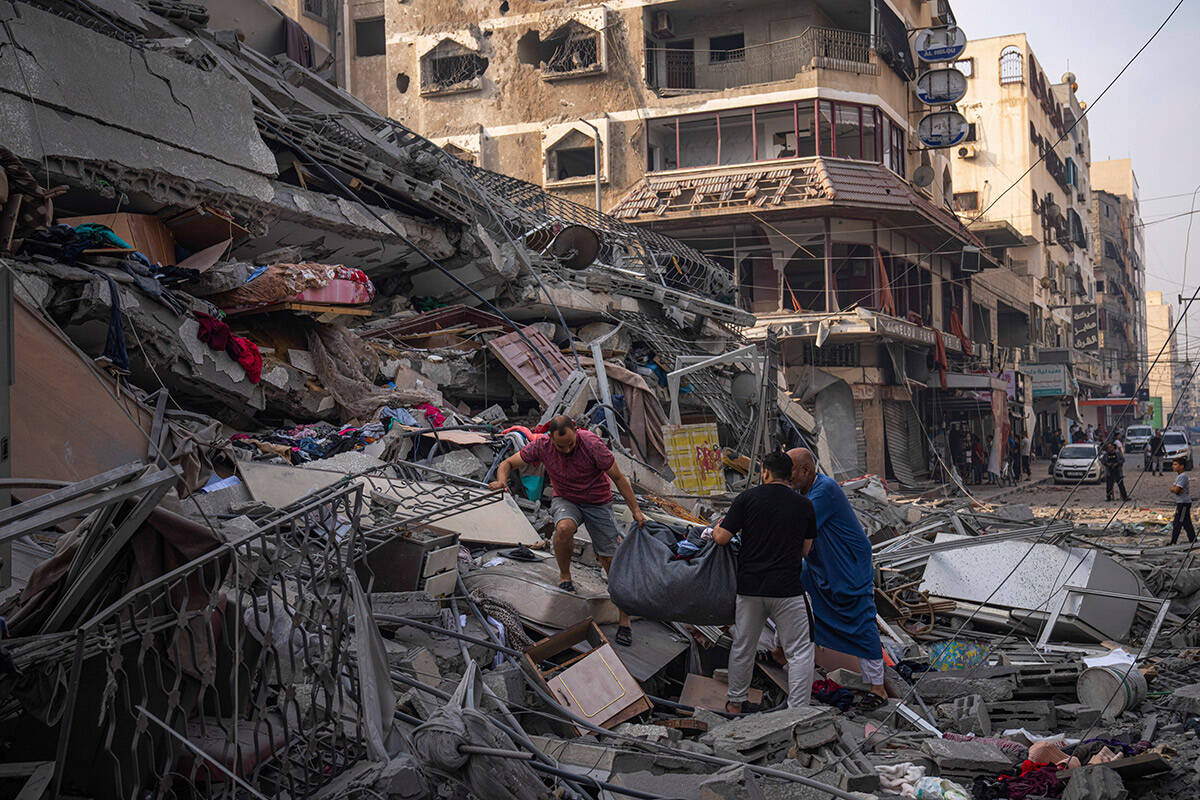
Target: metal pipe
column 596, row 154
column 425, row 626
column 476, row 750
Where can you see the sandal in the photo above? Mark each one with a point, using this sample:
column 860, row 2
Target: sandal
column 747, row 708
column 567, row 586
column 624, row 636
column 871, row 701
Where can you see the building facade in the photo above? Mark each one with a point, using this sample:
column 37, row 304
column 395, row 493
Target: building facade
column 1119, row 253
column 1028, row 129
column 1160, row 320
column 779, row 139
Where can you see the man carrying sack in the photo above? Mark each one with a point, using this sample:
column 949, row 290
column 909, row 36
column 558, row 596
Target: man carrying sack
column 778, row 527
column 579, row 465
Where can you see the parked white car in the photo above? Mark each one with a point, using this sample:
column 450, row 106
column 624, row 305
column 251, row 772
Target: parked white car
column 1078, row 462
column 1176, row 445
column 1137, row 437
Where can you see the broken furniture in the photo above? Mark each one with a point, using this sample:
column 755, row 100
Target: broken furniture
column 595, row 685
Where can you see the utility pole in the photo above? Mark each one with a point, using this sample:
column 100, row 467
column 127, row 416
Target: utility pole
column 596, row 154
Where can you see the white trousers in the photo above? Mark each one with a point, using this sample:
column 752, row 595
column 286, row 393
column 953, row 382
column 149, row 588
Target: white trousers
column 790, row 615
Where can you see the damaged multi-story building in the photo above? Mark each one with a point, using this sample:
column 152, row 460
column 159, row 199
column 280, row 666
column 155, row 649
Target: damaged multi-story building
column 1119, row 253
column 1039, row 227
column 227, row 142
column 778, row 139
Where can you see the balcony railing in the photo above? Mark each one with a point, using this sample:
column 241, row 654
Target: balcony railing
column 677, row 71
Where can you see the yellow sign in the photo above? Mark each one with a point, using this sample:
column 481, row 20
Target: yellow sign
column 695, row 455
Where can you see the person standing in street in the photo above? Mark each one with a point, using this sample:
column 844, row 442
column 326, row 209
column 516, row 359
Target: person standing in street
column 777, row 527
column 1183, row 502
column 1026, row 454
column 1114, row 466
column 579, row 465
column 1014, row 455
column 1154, row 452
column 839, row 576
column 978, row 459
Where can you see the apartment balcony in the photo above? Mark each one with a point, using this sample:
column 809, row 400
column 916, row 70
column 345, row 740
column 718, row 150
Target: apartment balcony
column 673, row 71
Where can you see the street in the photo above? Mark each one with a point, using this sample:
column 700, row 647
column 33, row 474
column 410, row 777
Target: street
column 1085, row 504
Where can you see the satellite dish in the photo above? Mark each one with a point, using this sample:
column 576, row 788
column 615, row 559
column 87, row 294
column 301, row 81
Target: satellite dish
column 922, row 176
column 744, row 388
column 575, row 247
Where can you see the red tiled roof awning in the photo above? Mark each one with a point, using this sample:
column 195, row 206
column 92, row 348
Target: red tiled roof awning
column 818, row 184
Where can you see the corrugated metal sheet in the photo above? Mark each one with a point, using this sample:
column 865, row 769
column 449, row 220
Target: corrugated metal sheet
column 906, row 450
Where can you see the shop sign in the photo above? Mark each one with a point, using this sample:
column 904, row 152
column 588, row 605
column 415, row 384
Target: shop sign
column 1047, row 380
column 940, row 44
column 1085, row 323
column 1010, row 383
column 942, row 129
column 863, row 391
column 941, row 86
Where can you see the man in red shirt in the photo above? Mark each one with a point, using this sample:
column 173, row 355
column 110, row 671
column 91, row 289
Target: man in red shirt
column 579, row 465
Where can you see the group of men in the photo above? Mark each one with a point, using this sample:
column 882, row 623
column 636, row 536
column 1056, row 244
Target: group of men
column 804, row 562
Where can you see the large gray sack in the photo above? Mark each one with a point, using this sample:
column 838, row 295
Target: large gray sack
column 644, row 581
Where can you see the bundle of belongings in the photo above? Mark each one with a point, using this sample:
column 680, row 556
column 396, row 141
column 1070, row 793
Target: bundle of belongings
column 306, row 282
column 671, row 573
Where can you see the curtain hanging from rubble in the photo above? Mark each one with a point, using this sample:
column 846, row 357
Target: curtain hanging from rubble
column 346, row 366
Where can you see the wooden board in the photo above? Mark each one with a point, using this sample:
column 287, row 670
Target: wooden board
column 145, row 232
column 67, row 421
column 465, row 438
column 527, row 367
column 710, row 693
column 314, row 308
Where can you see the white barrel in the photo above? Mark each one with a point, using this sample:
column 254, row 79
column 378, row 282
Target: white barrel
column 1112, row 688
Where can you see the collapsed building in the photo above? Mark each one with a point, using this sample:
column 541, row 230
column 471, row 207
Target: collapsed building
column 266, row 350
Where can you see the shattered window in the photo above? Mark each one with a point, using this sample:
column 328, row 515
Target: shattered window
column 573, row 48
column 573, row 156
column 451, row 67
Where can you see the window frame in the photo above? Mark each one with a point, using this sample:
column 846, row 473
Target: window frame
column 357, row 50
column 888, row 137
column 729, row 55
column 1013, row 55
column 317, row 15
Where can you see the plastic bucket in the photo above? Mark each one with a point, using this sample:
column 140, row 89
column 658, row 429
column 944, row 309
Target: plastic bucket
column 1112, row 688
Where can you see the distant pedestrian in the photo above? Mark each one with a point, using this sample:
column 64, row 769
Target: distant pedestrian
column 1114, row 465
column 1183, row 502
column 1090, row 433
column 1119, row 442
column 1014, row 456
column 993, row 463
column 1026, row 454
column 978, row 459
column 1154, row 452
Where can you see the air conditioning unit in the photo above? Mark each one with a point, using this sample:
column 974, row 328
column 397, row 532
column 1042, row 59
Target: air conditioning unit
column 1081, row 198
column 662, row 25
column 966, row 151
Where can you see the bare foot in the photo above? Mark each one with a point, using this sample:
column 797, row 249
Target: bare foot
column 733, row 708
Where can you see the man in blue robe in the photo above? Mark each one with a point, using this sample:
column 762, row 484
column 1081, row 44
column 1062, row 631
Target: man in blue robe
column 838, row 575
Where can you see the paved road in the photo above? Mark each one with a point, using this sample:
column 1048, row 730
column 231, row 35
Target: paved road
column 1150, row 499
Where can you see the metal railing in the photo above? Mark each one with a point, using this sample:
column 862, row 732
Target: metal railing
column 682, row 71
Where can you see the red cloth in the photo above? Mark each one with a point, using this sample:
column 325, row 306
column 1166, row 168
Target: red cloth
column 436, row 418
column 579, row 476
column 957, row 329
column 216, row 334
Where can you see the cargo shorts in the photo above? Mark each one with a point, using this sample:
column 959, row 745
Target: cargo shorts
column 600, row 521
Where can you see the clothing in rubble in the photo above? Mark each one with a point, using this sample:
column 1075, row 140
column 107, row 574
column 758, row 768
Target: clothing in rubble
column 838, row 575
column 216, row 334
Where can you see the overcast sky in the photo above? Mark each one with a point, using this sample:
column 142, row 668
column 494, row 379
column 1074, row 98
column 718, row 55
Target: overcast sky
column 1149, row 115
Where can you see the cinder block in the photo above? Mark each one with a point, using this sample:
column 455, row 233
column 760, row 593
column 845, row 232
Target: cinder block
column 1095, row 783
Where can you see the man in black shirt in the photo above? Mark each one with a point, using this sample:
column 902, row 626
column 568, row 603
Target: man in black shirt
column 778, row 527
column 1114, row 464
